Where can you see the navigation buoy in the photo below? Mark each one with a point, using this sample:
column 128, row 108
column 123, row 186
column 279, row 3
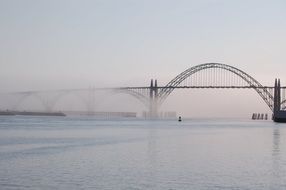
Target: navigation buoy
column 180, row 119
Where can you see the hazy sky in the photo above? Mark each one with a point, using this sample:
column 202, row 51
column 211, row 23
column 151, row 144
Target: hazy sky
column 50, row 44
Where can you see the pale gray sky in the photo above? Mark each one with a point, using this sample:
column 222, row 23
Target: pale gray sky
column 51, row 44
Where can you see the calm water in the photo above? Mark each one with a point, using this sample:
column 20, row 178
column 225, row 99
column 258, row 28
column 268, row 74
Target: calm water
column 86, row 153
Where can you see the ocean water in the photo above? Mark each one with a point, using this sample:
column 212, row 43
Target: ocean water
column 69, row 153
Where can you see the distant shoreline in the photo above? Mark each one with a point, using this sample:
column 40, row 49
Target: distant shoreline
column 29, row 113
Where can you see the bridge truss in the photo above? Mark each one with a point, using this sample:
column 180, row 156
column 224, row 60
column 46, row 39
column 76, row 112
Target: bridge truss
column 203, row 76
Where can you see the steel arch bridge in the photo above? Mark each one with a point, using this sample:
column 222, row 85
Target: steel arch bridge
column 252, row 83
column 207, row 75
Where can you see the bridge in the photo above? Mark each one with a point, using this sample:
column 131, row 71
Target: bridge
column 203, row 76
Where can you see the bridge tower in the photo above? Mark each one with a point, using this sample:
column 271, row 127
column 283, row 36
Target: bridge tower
column 153, row 102
column 278, row 114
column 277, row 96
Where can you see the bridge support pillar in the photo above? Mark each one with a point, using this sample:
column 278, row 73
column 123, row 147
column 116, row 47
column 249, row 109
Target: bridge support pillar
column 278, row 114
column 153, row 104
column 90, row 101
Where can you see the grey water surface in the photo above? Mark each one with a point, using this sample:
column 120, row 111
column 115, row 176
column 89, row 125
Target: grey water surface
column 69, row 153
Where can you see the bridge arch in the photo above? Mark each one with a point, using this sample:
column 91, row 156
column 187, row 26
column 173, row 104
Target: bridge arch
column 59, row 95
column 26, row 95
column 253, row 83
column 137, row 95
column 90, row 105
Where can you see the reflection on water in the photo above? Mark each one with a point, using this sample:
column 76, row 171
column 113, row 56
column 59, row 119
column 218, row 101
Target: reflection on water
column 86, row 153
column 277, row 170
column 276, row 141
column 152, row 157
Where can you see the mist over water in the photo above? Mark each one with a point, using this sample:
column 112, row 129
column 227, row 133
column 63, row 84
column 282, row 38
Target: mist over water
column 49, row 45
column 56, row 54
column 191, row 103
column 88, row 153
